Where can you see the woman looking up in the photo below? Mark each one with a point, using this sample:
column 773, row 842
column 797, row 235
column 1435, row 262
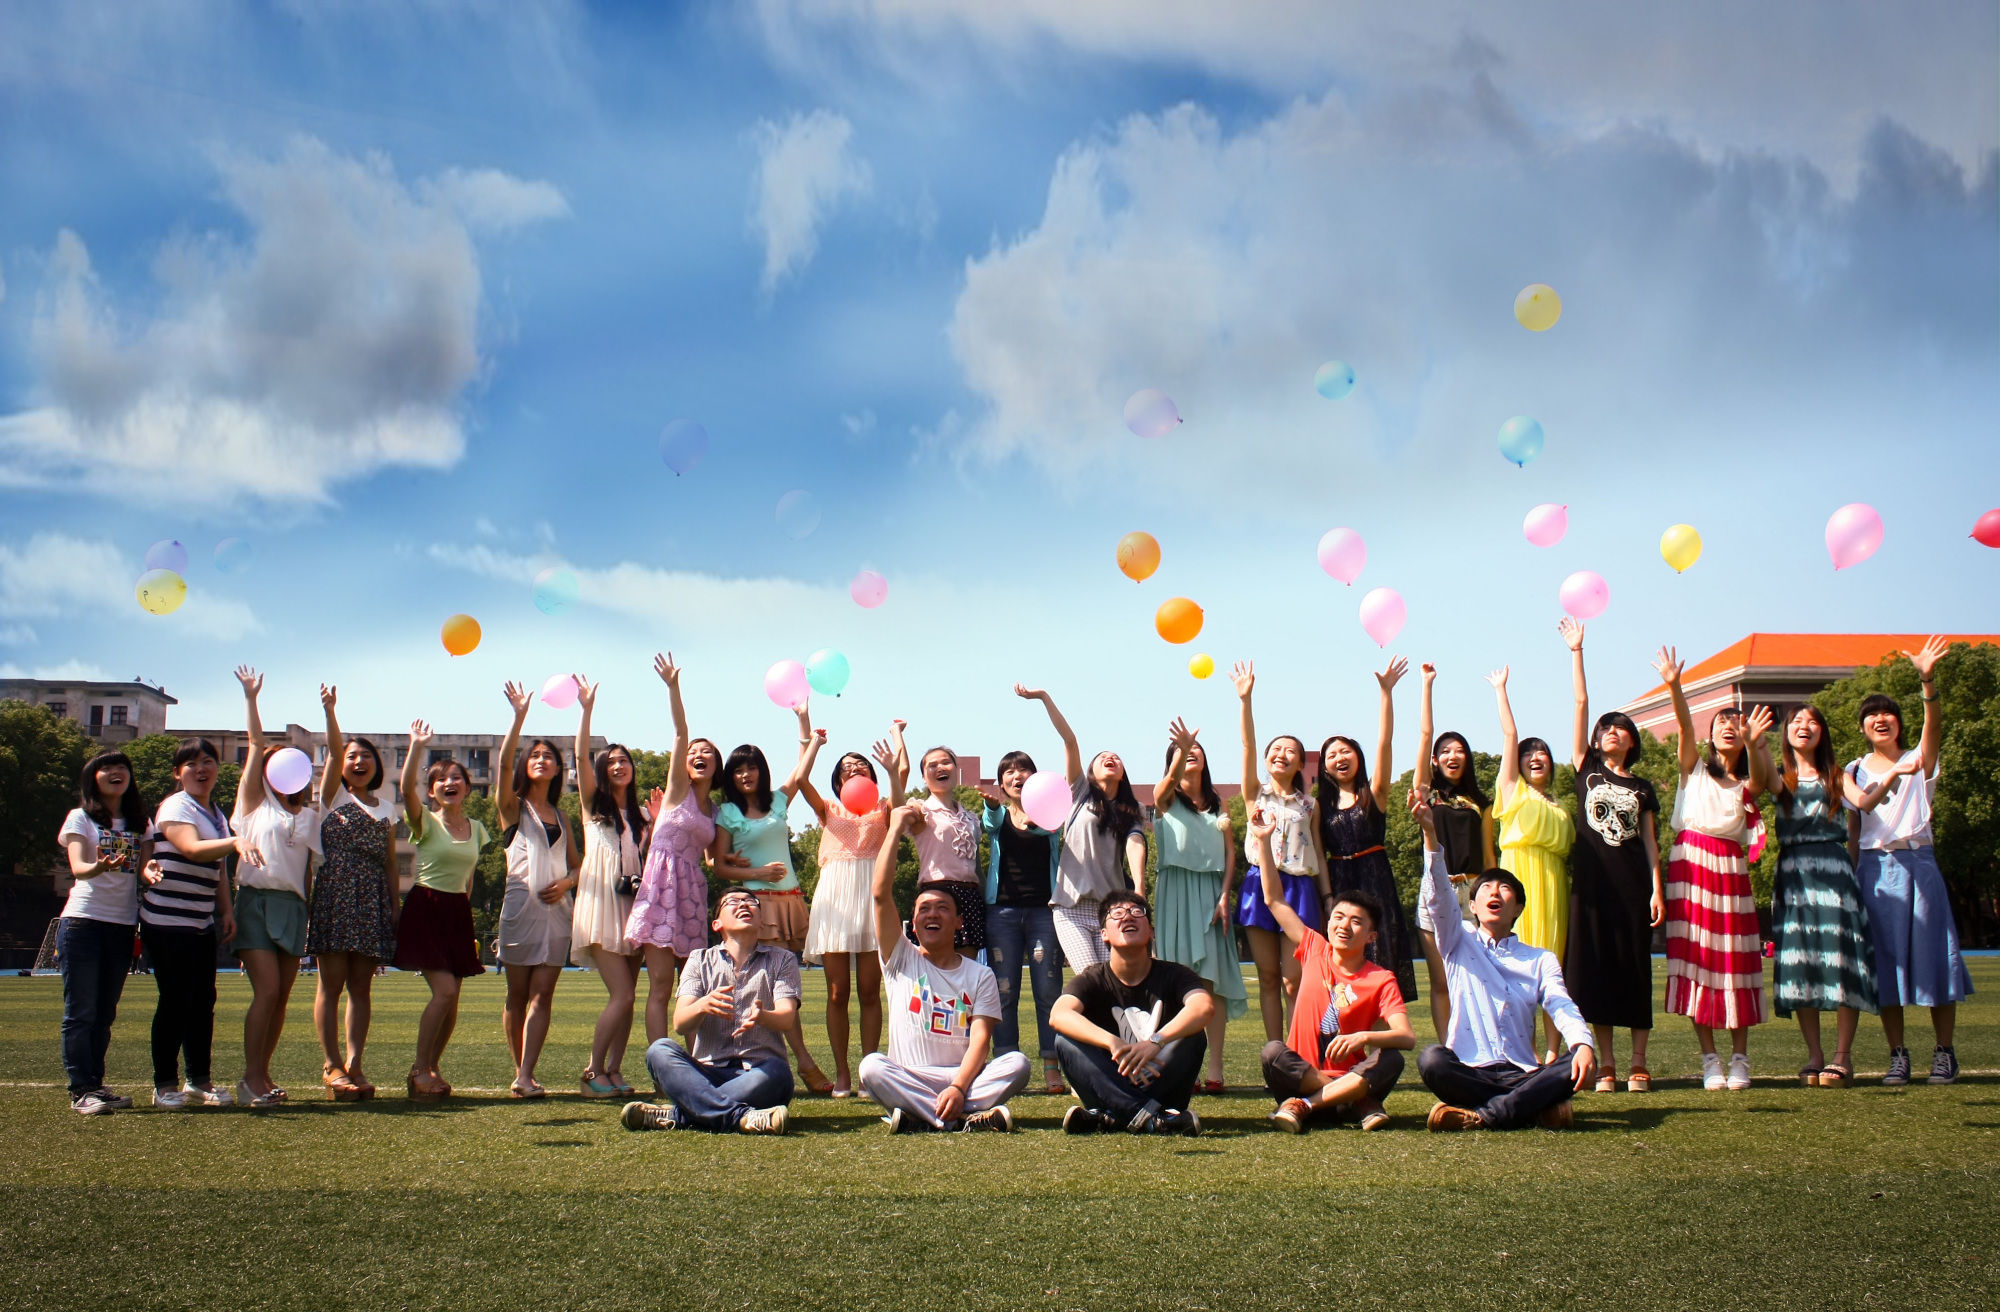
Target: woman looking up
column 1463, row 818
column 434, row 936
column 1354, row 830
column 1191, row 894
column 614, row 835
column 535, row 912
column 1536, row 835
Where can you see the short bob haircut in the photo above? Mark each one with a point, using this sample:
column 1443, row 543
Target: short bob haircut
column 1881, row 703
column 1011, row 760
column 131, row 807
column 375, row 755
column 1594, row 754
column 1366, row 902
column 193, row 749
column 1505, row 878
column 833, row 780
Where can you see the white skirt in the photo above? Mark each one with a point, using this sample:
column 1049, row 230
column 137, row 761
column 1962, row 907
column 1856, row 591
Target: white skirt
column 599, row 918
column 843, row 909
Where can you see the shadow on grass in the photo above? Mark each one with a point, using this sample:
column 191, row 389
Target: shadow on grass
column 1637, row 1118
column 373, row 1107
column 561, row 1121
column 562, row 1143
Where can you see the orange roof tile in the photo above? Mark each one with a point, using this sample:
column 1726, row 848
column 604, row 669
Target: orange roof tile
column 1808, row 651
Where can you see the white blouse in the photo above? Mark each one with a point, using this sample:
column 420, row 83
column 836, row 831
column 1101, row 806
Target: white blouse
column 1710, row 806
column 286, row 840
column 1903, row 819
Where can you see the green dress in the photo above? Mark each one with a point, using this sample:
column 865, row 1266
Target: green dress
column 1186, row 892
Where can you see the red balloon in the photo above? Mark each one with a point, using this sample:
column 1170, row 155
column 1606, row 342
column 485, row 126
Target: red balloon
column 1987, row 530
column 859, row 794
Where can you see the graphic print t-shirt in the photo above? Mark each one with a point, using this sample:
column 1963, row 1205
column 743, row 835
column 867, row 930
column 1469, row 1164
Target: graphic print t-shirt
column 1609, row 805
column 1134, row 1012
column 931, row 1009
column 1332, row 1002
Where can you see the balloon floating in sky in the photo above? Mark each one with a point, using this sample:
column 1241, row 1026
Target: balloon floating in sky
column 798, row 514
column 786, row 684
column 1045, row 797
column 233, row 555
column 288, row 770
column 1202, row 665
column 1987, row 530
column 1382, row 615
column 682, row 445
column 1584, row 595
column 1138, row 556
column 1334, row 379
column 868, row 589
column 556, row 590
column 1546, row 524
column 1342, row 554
column 460, row 634
column 1178, row 620
column 1680, row 547
column 169, row 555
column 161, row 591
column 826, row 671
column 559, row 691
column 1852, row 534
column 1150, row 413
column 1521, row 439
column 859, row 794
column 1538, row 307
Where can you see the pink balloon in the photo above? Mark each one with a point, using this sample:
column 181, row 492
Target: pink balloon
column 1853, row 534
column 1045, row 797
column 288, row 770
column 1546, row 524
column 1987, row 530
column 1342, row 554
column 868, row 589
column 1585, row 594
column 559, row 691
column 1382, row 615
column 785, row 683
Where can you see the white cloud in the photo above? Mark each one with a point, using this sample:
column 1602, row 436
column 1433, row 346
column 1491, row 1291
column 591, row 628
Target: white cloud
column 804, row 171
column 57, row 576
column 17, row 635
column 859, row 425
column 82, row 671
column 334, row 341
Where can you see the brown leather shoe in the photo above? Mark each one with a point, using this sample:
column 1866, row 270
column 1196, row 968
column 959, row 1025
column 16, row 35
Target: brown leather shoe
column 1447, row 1119
column 1559, row 1117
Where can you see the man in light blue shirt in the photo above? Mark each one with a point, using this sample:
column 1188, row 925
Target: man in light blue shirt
column 1487, row 1074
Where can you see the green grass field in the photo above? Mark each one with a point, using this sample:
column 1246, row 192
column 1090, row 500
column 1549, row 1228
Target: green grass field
column 1777, row 1197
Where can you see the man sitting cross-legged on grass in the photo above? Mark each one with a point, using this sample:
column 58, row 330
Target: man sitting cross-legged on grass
column 736, row 997
column 942, row 1008
column 1131, row 1062
column 1350, row 1025
column 1488, row 1076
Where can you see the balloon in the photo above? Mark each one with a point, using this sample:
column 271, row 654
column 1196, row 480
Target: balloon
column 1342, row 554
column 786, row 684
column 1680, row 546
column 1334, row 379
column 1584, row 595
column 161, row 591
column 798, row 514
column 1853, row 534
column 233, row 555
column 1178, row 620
column 1538, row 307
column 859, row 794
column 1521, row 439
column 1382, row 615
column 169, row 555
column 556, row 590
column 1045, row 797
column 826, row 671
column 559, row 691
column 1546, row 524
column 682, row 445
column 1987, row 530
column 1138, row 556
column 1202, row 665
column 868, row 589
column 1150, row 413
column 288, row 770
column 460, row 634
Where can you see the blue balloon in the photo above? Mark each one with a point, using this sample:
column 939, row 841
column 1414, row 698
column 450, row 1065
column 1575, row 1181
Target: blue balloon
column 556, row 590
column 233, row 555
column 1521, row 439
column 682, row 445
column 1334, row 380
column 826, row 671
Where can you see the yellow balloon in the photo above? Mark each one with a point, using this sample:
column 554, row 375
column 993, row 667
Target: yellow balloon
column 1538, row 307
column 1680, row 546
column 161, row 591
column 1202, row 666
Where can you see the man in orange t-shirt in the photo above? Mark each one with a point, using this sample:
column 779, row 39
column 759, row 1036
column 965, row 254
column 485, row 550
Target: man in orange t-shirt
column 1349, row 1024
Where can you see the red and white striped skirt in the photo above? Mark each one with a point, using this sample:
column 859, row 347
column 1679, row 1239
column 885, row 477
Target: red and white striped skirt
column 1715, row 957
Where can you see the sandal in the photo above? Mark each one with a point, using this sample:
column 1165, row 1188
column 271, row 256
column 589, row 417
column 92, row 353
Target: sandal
column 1214, row 1086
column 592, row 1087
column 425, row 1088
column 1608, row 1081
column 1809, row 1075
column 365, row 1085
column 814, row 1078
column 338, row 1086
column 618, row 1082
column 1638, row 1080
column 529, row 1094
column 1836, row 1074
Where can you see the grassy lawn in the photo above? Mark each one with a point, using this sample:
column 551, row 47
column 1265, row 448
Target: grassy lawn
column 1777, row 1197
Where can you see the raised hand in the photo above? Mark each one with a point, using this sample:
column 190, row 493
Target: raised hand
column 1392, row 673
column 328, row 694
column 1244, row 675
column 1032, row 694
column 1572, row 633
column 657, row 802
column 1498, row 678
column 670, row 673
column 1669, row 665
column 1430, row 673
column 1927, row 659
column 253, row 682
column 586, row 693
column 884, row 754
column 1180, row 735
column 1420, row 809
column 1759, row 723
column 1261, row 825
column 520, row 699
column 420, row 733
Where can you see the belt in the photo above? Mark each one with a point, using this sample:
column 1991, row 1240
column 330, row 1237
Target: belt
column 1900, row 845
column 1356, row 856
column 778, row 892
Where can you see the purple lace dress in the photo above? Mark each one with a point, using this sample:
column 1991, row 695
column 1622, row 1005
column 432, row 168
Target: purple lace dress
column 671, row 908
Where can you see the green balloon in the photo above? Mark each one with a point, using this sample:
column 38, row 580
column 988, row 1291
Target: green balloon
column 826, row 671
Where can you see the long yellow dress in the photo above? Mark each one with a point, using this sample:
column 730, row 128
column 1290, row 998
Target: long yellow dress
column 1535, row 838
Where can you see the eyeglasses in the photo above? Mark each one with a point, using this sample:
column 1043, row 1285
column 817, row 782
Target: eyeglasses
column 739, row 902
column 1128, row 912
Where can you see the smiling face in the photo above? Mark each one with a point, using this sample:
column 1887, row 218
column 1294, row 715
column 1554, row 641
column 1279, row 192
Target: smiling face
column 703, row 760
column 112, row 780
column 934, row 919
column 940, row 770
column 1281, row 761
column 1882, row 729
column 1726, row 732
column 197, row 777
column 1803, row 731
column 1107, row 771
column 1190, row 781
column 1127, row 925
column 618, row 769
column 543, row 764
column 1538, row 767
column 449, row 785
column 736, row 913
column 1349, row 928
column 746, row 776
column 357, row 766
column 1450, row 760
column 1342, row 762
column 1012, row 778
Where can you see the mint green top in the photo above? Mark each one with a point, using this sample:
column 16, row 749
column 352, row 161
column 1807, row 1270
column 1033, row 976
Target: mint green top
column 760, row 842
column 445, row 864
column 1190, row 839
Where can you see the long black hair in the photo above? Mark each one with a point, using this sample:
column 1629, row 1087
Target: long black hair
column 131, row 807
column 521, row 770
column 1466, row 787
column 1593, row 754
column 629, row 818
column 1118, row 812
column 747, row 754
column 1713, row 760
column 833, row 781
column 1211, row 801
column 1822, row 760
column 1326, row 789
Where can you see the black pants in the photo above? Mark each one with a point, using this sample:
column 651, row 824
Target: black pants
column 184, row 1017
column 1094, row 1075
column 1285, row 1073
column 1505, row 1096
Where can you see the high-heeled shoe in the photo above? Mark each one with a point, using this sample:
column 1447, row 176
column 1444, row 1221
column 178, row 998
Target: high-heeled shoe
column 814, row 1078
column 338, row 1086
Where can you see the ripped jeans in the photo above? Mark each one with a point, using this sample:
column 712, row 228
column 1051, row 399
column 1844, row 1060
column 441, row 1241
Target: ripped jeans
column 1017, row 937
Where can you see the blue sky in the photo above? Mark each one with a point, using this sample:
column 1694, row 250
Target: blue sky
column 404, row 294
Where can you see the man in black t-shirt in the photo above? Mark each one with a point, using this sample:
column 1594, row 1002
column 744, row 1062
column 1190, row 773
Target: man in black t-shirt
column 1129, row 1032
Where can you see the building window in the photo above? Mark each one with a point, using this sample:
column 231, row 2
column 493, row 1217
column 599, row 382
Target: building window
column 118, row 715
column 59, row 709
column 481, row 762
column 243, row 756
column 402, row 755
column 438, row 756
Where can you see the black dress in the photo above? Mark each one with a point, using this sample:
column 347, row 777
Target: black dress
column 1356, row 859
column 1609, row 962
column 1461, row 831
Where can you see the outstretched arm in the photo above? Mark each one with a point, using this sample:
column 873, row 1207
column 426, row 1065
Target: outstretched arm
column 1510, row 736
column 809, row 745
column 1244, row 676
column 1182, row 738
column 1384, row 775
column 586, row 773
column 1758, row 724
column 1435, row 891
column 894, row 758
column 677, row 769
column 336, row 747
column 510, row 805
column 250, row 788
column 1426, row 728
column 888, row 920
column 1072, row 755
column 1261, row 827
column 1926, row 662
column 1670, row 666
column 413, row 797
column 1572, row 633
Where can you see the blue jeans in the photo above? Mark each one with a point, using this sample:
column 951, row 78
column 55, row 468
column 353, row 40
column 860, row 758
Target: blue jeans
column 1094, row 1075
column 716, row 1096
column 1018, row 936
column 94, row 956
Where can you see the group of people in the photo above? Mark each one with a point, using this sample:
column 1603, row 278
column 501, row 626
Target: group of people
column 1524, row 912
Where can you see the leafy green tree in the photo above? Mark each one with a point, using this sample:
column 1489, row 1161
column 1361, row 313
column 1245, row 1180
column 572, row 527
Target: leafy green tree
column 153, row 770
column 41, row 758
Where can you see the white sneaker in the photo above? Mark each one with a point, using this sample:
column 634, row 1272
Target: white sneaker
column 1712, row 1077
column 1739, row 1071
column 769, row 1120
column 210, row 1096
column 171, row 1099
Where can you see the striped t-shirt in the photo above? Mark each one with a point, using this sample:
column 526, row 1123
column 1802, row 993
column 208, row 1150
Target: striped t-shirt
column 185, row 896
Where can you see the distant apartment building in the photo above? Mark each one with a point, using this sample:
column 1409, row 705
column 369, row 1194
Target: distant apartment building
column 110, row 712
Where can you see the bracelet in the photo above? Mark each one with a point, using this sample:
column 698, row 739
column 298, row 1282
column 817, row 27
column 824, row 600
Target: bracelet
column 1930, row 696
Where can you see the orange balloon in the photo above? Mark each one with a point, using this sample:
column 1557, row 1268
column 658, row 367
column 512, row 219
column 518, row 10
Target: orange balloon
column 1138, row 556
column 460, row 634
column 1178, row 620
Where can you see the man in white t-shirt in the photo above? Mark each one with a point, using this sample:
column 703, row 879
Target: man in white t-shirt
column 942, row 1009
